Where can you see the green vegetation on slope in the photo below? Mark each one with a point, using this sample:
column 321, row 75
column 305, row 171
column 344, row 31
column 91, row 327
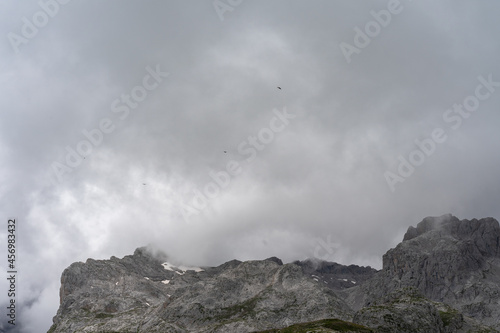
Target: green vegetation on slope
column 326, row 325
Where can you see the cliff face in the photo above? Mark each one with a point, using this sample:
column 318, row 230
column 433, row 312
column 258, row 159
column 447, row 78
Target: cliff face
column 446, row 260
column 137, row 294
column 443, row 277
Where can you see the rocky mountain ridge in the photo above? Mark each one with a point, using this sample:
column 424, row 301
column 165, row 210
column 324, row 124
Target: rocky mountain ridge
column 443, row 277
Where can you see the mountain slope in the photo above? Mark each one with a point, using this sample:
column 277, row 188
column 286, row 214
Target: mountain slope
column 102, row 295
column 447, row 260
column 443, row 277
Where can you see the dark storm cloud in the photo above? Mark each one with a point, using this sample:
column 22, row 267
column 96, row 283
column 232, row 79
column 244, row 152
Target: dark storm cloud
column 316, row 188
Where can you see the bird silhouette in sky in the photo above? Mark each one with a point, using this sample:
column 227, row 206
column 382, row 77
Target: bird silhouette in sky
column 279, row 88
column 225, row 151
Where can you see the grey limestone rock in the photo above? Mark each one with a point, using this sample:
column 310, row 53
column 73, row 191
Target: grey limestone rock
column 116, row 295
column 443, row 277
column 448, row 260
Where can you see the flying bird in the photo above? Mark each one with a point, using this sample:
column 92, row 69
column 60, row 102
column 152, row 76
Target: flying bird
column 225, row 152
column 279, row 88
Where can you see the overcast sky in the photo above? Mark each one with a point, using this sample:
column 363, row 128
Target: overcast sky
column 127, row 123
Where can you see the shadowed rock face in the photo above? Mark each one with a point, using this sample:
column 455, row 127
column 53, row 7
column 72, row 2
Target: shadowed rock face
column 336, row 276
column 443, row 277
column 444, row 251
column 447, row 260
column 484, row 233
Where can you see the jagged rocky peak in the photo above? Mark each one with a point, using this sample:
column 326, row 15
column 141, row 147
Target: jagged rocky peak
column 428, row 224
column 142, row 292
column 465, row 244
column 150, row 253
column 448, row 260
column 485, row 232
column 453, row 226
column 443, row 277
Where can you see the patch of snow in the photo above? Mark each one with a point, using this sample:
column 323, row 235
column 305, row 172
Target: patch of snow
column 147, row 304
column 116, row 283
column 187, row 268
column 353, row 282
column 168, row 266
column 146, row 278
column 315, row 279
column 165, row 281
column 180, row 273
column 183, row 269
column 168, row 295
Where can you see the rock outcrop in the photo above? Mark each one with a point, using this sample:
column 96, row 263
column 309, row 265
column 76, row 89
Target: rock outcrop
column 110, row 295
column 448, row 261
column 443, row 277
